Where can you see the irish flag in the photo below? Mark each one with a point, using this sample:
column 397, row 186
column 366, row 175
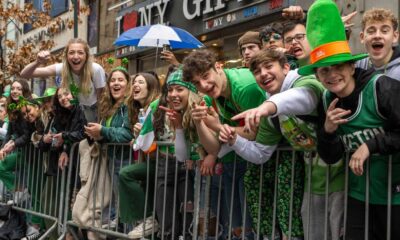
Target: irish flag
column 145, row 140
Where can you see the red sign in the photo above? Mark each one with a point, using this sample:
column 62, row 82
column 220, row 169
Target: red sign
column 275, row 4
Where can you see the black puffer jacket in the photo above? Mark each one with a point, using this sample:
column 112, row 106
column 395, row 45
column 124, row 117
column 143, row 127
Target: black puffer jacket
column 71, row 124
column 19, row 130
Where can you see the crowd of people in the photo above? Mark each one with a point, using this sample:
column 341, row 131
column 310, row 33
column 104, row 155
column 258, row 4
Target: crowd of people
column 300, row 87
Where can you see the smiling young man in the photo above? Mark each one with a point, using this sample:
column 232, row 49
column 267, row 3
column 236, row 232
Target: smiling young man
column 379, row 35
column 232, row 91
column 360, row 114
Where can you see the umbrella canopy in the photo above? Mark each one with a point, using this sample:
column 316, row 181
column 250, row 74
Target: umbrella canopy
column 156, row 36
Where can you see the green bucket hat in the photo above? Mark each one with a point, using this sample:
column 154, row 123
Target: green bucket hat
column 49, row 92
column 327, row 37
column 175, row 78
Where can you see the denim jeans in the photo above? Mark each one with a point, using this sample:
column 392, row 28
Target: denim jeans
column 234, row 187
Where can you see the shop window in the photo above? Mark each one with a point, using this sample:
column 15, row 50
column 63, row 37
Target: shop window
column 58, row 7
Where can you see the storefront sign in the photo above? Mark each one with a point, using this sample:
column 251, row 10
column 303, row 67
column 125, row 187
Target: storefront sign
column 124, row 51
column 207, row 7
column 146, row 12
column 242, row 14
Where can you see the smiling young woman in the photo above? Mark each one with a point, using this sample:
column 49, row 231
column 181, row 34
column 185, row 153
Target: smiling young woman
column 77, row 71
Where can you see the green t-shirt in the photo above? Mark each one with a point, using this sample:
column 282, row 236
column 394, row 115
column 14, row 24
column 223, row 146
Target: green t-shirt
column 244, row 94
column 363, row 125
column 301, row 136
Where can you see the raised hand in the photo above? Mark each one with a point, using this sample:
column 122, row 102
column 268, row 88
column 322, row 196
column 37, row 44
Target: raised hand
column 199, row 112
column 334, row 117
column 347, row 19
column 169, row 57
column 174, row 116
column 43, row 57
column 252, row 116
column 293, row 12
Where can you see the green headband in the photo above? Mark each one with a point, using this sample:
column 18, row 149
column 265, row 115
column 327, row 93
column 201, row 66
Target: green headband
column 120, row 68
column 175, row 78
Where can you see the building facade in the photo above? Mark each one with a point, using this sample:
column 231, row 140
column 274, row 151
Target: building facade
column 219, row 23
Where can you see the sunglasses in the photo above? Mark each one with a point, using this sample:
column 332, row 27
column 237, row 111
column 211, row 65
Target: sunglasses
column 275, row 36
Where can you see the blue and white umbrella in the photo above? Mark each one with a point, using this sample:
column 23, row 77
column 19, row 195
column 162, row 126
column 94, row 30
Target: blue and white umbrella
column 156, row 36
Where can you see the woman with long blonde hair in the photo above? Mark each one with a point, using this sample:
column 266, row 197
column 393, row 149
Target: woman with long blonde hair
column 84, row 78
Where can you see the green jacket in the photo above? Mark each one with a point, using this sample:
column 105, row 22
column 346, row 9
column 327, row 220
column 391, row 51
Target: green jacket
column 117, row 131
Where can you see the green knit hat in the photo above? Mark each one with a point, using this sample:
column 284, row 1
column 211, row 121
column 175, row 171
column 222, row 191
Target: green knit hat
column 175, row 78
column 49, row 92
column 327, row 37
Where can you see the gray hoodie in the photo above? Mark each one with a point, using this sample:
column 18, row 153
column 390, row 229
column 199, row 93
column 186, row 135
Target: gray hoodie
column 392, row 69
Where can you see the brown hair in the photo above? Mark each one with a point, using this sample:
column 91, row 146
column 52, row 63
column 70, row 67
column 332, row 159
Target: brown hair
column 153, row 88
column 266, row 56
column 26, row 93
column 379, row 15
column 86, row 73
column 107, row 105
column 197, row 63
column 290, row 25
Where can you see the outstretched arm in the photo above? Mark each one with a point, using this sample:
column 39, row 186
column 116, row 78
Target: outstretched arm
column 33, row 70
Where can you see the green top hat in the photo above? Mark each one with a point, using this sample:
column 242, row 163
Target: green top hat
column 327, row 37
column 49, row 92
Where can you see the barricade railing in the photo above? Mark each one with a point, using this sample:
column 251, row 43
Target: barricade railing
column 36, row 189
column 274, row 200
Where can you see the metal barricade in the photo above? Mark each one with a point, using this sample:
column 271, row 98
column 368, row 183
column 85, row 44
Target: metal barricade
column 36, row 190
column 274, row 200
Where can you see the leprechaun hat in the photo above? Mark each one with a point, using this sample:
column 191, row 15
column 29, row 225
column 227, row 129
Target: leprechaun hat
column 49, row 92
column 327, row 37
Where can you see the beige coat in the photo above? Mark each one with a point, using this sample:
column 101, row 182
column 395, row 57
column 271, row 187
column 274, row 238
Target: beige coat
column 95, row 193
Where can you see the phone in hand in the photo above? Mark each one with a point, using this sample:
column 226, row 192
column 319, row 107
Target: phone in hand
column 166, row 48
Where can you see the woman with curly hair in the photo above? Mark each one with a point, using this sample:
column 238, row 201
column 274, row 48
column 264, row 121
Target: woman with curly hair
column 78, row 72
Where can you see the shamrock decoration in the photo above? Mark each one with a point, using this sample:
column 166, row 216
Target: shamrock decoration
column 110, row 60
column 12, row 106
column 125, row 61
column 20, row 103
column 74, row 91
column 74, row 101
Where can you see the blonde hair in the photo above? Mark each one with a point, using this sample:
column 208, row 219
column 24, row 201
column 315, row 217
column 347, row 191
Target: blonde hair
column 188, row 124
column 107, row 105
column 379, row 15
column 85, row 75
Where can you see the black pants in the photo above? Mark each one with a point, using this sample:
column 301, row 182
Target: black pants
column 355, row 227
column 180, row 205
